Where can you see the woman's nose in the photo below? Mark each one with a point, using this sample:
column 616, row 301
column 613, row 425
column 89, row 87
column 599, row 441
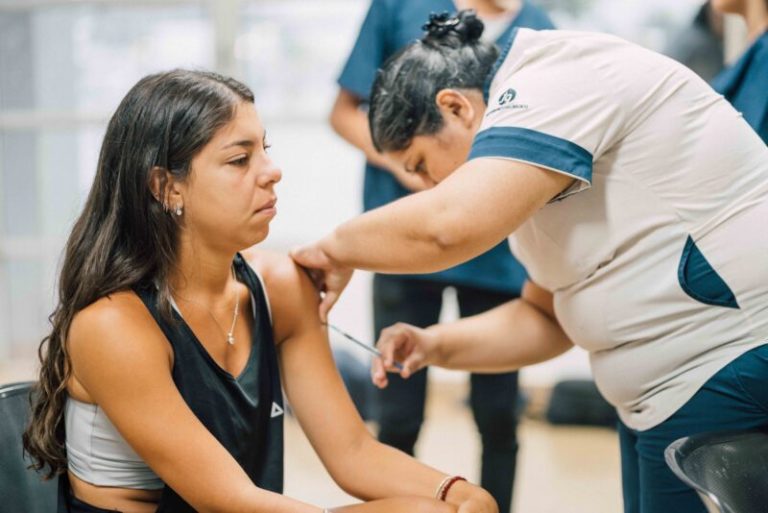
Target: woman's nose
column 270, row 175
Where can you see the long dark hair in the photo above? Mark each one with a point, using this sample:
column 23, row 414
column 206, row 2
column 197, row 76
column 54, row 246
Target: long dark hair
column 450, row 55
column 124, row 237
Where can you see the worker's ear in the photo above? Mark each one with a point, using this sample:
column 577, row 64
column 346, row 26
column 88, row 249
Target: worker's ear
column 453, row 104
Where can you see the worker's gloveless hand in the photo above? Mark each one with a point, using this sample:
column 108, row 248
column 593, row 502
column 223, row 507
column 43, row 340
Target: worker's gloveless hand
column 411, row 347
column 329, row 278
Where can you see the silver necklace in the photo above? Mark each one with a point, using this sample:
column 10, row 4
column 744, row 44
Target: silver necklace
column 231, row 333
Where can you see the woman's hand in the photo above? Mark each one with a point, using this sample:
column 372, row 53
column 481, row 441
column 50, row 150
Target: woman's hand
column 329, row 277
column 411, row 347
column 401, row 505
column 469, row 498
column 486, row 505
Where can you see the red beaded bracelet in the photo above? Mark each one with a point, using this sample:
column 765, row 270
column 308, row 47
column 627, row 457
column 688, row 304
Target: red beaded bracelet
column 442, row 490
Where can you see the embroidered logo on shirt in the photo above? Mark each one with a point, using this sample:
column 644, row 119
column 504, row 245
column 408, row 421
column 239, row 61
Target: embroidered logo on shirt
column 507, row 96
column 505, row 102
column 276, row 410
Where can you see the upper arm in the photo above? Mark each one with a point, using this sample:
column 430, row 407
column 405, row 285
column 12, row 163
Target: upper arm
column 483, row 202
column 121, row 358
column 312, row 384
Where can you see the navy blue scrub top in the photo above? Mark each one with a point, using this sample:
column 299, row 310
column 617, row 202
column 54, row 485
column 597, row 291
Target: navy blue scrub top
column 745, row 85
column 389, row 26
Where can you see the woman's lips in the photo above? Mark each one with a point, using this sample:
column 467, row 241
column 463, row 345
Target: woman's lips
column 268, row 208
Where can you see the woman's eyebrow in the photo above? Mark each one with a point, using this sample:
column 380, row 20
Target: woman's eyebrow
column 245, row 142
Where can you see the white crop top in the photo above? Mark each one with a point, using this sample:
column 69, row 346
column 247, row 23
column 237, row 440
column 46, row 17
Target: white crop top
column 98, row 454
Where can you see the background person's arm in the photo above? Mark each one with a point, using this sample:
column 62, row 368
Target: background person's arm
column 372, row 47
column 351, row 123
column 360, row 465
column 518, row 333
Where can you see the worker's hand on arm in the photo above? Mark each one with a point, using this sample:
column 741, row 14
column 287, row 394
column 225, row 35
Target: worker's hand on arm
column 329, row 278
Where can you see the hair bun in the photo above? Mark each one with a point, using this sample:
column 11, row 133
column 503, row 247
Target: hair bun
column 464, row 24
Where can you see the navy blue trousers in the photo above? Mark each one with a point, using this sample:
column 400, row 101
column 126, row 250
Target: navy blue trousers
column 493, row 397
column 736, row 398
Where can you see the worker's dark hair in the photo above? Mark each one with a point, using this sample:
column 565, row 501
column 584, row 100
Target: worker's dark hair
column 449, row 56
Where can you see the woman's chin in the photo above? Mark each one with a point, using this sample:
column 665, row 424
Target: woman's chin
column 258, row 236
column 249, row 235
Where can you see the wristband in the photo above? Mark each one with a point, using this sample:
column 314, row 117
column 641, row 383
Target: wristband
column 445, row 485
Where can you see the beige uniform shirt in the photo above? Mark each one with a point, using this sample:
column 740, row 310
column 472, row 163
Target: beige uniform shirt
column 658, row 254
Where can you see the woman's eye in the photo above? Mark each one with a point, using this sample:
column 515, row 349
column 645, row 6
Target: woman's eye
column 242, row 161
column 267, row 146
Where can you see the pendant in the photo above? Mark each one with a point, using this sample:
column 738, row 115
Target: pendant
column 230, row 339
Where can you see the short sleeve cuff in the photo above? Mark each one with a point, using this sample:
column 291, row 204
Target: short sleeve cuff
column 357, row 85
column 539, row 149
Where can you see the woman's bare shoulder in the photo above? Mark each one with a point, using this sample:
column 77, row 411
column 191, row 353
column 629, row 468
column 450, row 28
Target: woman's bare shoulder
column 119, row 324
column 292, row 296
column 120, row 310
column 279, row 271
column 110, row 336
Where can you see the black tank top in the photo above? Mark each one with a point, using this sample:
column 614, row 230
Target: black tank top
column 244, row 413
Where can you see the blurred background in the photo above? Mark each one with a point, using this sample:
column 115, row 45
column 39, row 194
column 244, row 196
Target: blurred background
column 65, row 65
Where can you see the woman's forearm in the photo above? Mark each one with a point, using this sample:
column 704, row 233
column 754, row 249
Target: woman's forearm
column 376, row 471
column 405, row 484
column 505, row 338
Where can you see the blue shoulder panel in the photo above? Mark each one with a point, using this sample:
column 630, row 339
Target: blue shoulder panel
column 535, row 147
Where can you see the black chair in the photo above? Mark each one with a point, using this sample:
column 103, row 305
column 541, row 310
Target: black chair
column 21, row 489
column 728, row 469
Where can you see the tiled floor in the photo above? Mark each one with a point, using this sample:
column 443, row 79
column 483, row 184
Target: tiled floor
column 560, row 469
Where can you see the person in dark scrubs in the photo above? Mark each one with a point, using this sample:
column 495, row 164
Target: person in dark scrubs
column 481, row 284
column 745, row 84
column 160, row 388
